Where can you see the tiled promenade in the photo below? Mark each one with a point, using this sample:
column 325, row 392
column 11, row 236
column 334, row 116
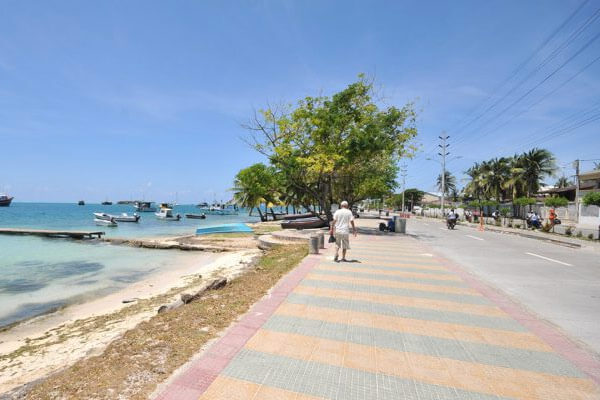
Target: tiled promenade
column 398, row 323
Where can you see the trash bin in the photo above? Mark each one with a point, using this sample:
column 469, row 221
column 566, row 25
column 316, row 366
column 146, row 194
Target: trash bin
column 400, row 224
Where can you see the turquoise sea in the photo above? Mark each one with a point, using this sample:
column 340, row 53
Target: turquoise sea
column 38, row 275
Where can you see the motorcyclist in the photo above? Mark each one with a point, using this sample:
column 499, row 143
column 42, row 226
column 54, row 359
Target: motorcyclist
column 451, row 219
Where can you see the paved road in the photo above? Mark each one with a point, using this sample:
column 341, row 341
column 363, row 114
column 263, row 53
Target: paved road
column 395, row 323
column 559, row 284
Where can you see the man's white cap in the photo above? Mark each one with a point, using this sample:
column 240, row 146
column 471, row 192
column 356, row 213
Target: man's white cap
column 344, row 203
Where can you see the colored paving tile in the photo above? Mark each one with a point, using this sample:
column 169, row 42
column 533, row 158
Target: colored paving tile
column 396, row 324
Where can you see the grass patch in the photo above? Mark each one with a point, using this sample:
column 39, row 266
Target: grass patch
column 132, row 366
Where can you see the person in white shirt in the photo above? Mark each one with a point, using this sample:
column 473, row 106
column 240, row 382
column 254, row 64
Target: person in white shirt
column 340, row 229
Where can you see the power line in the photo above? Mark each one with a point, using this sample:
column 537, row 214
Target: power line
column 554, row 53
column 550, row 75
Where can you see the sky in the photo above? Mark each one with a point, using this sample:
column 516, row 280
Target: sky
column 146, row 99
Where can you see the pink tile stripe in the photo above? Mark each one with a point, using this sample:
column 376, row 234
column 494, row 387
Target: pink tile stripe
column 564, row 346
column 201, row 372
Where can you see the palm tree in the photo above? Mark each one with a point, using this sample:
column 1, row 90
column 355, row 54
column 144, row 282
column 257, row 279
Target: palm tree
column 449, row 183
column 562, row 182
column 253, row 186
column 536, row 164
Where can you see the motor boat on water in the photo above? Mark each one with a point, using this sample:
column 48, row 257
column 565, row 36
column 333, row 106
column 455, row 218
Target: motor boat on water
column 218, row 210
column 106, row 222
column 5, row 200
column 81, row 203
column 124, row 217
column 144, row 206
column 107, row 203
column 195, row 216
column 166, row 214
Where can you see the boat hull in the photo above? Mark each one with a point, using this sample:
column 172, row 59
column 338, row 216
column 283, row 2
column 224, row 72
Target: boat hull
column 6, row 202
column 195, row 216
column 105, row 222
column 305, row 223
column 224, row 228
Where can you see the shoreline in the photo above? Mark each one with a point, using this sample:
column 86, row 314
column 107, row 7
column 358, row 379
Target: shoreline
column 36, row 347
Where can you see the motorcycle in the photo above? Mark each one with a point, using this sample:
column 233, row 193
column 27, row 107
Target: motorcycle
column 451, row 223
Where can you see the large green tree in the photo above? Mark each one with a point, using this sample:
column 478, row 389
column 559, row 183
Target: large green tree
column 449, row 184
column 343, row 147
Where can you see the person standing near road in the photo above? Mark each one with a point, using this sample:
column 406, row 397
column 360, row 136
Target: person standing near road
column 340, row 229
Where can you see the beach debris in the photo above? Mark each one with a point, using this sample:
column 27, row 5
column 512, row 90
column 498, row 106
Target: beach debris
column 125, row 301
column 186, row 298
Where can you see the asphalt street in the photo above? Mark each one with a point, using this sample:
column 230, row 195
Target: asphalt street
column 559, row 284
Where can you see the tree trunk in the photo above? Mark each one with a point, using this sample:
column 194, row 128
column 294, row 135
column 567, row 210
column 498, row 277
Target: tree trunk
column 262, row 218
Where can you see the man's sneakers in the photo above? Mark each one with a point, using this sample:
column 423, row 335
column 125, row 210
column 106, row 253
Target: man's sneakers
column 336, row 259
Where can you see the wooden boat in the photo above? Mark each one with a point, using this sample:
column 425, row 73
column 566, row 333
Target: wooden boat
column 304, row 223
column 107, row 203
column 223, row 228
column 144, row 206
column 195, row 216
column 291, row 217
column 124, row 217
column 81, row 203
column 5, row 200
column 105, row 222
column 166, row 214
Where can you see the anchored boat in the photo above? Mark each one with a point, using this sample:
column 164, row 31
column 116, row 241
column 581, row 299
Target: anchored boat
column 5, row 200
column 124, row 217
column 195, row 216
column 144, row 206
column 166, row 214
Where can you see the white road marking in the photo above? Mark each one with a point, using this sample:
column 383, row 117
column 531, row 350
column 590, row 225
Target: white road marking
column 550, row 259
column 474, row 237
column 427, row 254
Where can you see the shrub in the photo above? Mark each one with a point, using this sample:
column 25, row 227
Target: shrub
column 556, row 202
column 569, row 231
column 524, row 201
column 591, row 236
column 518, row 226
column 592, row 199
column 579, row 234
column 504, row 211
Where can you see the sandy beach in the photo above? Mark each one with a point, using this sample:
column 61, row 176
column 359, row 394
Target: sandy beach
column 40, row 346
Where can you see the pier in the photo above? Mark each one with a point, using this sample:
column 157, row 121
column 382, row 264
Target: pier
column 52, row 234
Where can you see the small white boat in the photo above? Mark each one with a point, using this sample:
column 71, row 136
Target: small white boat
column 124, row 217
column 105, row 222
column 166, row 214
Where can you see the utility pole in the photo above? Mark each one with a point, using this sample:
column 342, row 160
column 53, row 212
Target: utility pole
column 444, row 152
column 576, row 166
column 403, row 174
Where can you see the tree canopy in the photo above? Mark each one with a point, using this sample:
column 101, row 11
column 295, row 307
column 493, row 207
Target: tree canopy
column 328, row 149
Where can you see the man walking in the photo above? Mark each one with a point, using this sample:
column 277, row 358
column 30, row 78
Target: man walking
column 340, row 229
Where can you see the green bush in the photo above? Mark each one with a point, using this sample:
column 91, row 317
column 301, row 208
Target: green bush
column 591, row 236
column 579, row 234
column 569, row 231
column 524, row 201
column 504, row 211
column 592, row 199
column 518, row 226
column 556, row 202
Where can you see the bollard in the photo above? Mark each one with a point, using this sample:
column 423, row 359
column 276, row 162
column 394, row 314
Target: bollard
column 321, row 240
column 400, row 224
column 396, row 224
column 313, row 245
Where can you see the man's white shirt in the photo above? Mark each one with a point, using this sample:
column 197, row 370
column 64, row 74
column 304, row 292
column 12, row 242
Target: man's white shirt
column 342, row 218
